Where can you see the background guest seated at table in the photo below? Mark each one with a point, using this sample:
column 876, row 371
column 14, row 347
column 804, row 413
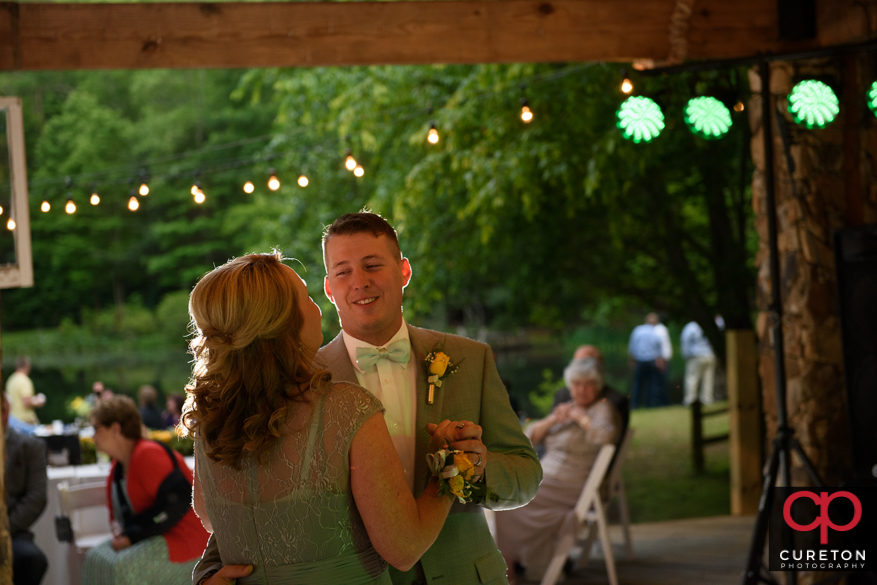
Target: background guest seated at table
column 573, row 434
column 170, row 417
column 25, row 500
column 157, row 538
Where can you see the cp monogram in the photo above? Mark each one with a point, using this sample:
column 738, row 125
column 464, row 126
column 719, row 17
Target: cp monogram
column 823, row 521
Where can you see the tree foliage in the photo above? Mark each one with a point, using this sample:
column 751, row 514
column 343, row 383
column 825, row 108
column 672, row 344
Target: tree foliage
column 505, row 223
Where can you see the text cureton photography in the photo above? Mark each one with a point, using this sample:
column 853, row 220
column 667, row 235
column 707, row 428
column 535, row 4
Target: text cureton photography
column 823, row 529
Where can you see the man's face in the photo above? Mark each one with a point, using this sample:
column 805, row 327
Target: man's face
column 364, row 281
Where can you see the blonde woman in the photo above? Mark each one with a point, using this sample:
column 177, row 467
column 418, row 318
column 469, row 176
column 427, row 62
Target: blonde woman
column 295, row 475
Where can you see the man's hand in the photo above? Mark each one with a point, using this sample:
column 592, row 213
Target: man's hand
column 228, row 575
column 121, row 542
column 467, row 437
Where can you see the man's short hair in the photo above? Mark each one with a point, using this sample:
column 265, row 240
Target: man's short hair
column 357, row 223
column 22, row 361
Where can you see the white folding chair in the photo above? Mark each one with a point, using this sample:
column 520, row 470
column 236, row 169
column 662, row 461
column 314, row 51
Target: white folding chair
column 88, row 529
column 583, row 520
column 614, row 486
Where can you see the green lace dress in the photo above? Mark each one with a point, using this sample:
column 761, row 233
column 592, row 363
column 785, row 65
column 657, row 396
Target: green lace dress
column 294, row 519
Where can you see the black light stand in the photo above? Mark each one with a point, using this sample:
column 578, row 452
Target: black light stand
column 785, row 441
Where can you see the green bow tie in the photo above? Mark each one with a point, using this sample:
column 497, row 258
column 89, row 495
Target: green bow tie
column 398, row 351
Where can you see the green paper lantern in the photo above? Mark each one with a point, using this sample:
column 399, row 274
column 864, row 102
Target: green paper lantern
column 640, row 119
column 872, row 98
column 813, row 104
column 707, row 117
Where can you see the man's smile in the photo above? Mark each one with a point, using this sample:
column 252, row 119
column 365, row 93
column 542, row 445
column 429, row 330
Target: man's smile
column 367, row 301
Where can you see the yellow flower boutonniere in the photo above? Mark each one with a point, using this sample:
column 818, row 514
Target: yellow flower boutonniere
column 438, row 365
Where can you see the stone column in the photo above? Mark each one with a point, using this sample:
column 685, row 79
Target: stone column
column 825, row 180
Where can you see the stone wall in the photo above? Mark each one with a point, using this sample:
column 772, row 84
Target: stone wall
column 832, row 186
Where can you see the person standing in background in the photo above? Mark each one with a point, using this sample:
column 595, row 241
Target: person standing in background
column 666, row 355
column 20, row 389
column 700, row 364
column 644, row 349
column 146, row 397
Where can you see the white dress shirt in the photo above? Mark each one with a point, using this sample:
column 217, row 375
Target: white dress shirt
column 394, row 385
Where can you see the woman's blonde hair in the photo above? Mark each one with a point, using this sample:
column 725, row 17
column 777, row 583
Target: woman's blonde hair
column 249, row 368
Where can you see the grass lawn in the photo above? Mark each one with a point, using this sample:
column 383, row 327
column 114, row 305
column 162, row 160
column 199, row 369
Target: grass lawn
column 659, row 472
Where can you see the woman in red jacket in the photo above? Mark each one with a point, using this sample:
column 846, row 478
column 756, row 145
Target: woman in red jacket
column 157, row 537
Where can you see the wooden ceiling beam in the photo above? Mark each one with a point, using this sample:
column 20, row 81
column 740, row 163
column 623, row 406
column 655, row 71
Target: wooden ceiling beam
column 36, row 36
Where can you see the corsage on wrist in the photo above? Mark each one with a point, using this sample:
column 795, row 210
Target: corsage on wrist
column 454, row 471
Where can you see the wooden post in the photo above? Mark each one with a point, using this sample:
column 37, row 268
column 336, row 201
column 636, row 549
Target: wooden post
column 745, row 421
column 697, row 436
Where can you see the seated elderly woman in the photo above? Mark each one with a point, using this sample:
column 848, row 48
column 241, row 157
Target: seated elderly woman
column 572, row 434
column 157, row 537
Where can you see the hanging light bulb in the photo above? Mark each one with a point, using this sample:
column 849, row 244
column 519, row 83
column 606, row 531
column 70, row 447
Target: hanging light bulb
column 350, row 162
column 70, row 207
column 144, row 189
column 10, row 225
column 200, row 197
column 45, row 206
column 249, row 187
column 133, row 204
column 303, row 181
column 739, row 107
column 526, row 112
column 626, row 85
column 273, row 181
column 1, row 210
column 95, row 199
column 196, row 188
column 433, row 136
column 359, row 171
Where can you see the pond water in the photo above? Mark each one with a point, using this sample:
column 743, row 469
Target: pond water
column 523, row 369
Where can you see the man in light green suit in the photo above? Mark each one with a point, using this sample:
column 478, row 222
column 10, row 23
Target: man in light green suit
column 366, row 275
column 365, row 278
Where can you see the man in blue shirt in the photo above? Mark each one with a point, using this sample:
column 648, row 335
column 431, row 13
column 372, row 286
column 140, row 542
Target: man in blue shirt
column 644, row 349
column 700, row 364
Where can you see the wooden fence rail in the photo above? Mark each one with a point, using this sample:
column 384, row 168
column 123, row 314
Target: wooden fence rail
column 698, row 441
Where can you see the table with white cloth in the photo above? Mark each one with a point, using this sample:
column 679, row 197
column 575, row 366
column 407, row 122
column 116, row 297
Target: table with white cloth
column 44, row 529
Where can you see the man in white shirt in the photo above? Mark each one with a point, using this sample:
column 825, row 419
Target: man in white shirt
column 700, row 364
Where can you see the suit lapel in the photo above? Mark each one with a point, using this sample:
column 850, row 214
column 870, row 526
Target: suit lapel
column 334, row 357
column 422, row 342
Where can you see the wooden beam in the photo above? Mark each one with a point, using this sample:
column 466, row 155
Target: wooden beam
column 194, row 35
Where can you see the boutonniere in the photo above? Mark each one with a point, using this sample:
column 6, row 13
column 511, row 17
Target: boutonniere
column 438, row 365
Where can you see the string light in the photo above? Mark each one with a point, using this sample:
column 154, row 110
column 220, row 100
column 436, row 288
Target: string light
column 432, row 137
column 70, row 207
column 200, row 197
column 303, row 181
column 1, row 210
column 144, row 189
column 626, row 83
column 133, row 204
column 95, row 199
column 813, row 104
column 350, row 162
column 739, row 107
column 273, row 181
column 359, row 171
column 45, row 206
column 640, row 119
column 196, row 188
column 10, row 225
column 707, row 117
column 526, row 113
column 249, row 187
